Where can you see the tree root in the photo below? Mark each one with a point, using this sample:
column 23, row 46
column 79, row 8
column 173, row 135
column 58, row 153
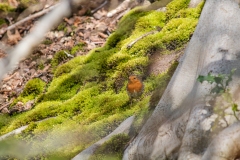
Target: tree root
column 226, row 145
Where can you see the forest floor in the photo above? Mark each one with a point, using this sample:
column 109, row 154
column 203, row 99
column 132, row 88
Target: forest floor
column 90, row 31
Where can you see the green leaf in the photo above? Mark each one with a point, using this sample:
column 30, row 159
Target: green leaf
column 209, row 78
column 217, row 89
column 235, row 107
column 218, row 80
column 230, row 76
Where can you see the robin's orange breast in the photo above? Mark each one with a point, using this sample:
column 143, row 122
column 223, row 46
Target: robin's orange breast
column 134, row 87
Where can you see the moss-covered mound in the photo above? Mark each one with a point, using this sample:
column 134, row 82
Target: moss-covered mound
column 87, row 97
column 112, row 149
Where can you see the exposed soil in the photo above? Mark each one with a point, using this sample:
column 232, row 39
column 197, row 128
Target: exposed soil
column 160, row 63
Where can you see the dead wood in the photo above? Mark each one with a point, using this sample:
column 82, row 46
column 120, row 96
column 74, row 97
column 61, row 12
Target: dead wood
column 141, row 37
column 5, row 105
column 123, row 6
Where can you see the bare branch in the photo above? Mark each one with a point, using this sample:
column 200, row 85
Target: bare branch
column 124, row 5
column 27, row 19
column 158, row 29
column 35, row 37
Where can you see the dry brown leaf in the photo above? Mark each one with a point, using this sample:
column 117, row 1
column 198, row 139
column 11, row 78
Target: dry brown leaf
column 77, row 21
column 13, row 38
column 69, row 21
column 102, row 35
column 13, row 3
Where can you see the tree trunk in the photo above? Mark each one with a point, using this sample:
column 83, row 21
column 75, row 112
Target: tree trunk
column 183, row 124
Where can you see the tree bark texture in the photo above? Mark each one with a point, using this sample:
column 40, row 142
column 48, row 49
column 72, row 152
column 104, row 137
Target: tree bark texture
column 181, row 126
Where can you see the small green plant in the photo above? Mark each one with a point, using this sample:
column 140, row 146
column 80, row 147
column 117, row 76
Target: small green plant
column 221, row 89
column 61, row 27
column 5, row 7
column 33, row 87
column 41, row 65
column 77, row 48
column 2, row 21
column 221, row 80
column 59, row 57
column 47, row 42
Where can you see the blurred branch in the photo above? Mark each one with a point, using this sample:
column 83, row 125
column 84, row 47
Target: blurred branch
column 34, row 38
column 99, row 7
column 123, row 6
column 27, row 19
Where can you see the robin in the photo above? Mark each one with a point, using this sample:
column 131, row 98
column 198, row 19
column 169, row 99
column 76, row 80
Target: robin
column 135, row 87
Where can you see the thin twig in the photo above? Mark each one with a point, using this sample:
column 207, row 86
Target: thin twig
column 5, row 105
column 141, row 37
column 99, row 7
column 34, row 38
column 235, row 115
column 68, row 55
column 27, row 19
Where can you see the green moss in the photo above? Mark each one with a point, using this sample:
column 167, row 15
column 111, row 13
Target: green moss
column 175, row 6
column 59, row 57
column 125, row 27
column 112, row 149
column 2, row 21
column 117, row 59
column 47, row 42
column 32, row 90
column 61, row 26
column 5, row 7
column 191, row 12
column 77, row 48
column 150, row 21
column 62, row 55
column 27, row 3
column 40, row 65
column 33, row 87
column 178, row 31
column 4, row 120
column 68, row 67
column 135, row 64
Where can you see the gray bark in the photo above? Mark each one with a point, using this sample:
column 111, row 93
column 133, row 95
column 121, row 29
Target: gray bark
column 223, row 147
column 181, row 125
